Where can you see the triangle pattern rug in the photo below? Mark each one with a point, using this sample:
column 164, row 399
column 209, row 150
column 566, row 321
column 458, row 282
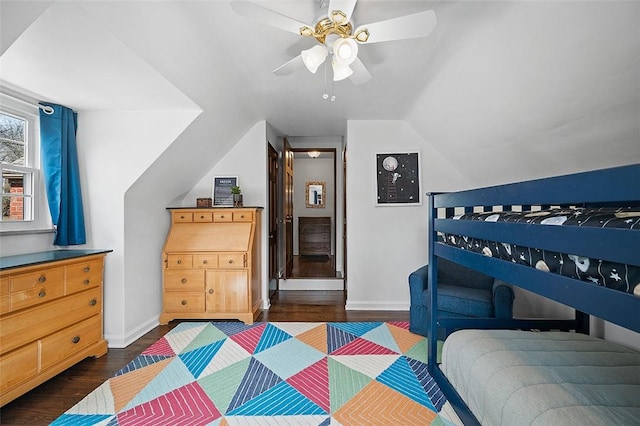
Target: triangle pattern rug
column 229, row 373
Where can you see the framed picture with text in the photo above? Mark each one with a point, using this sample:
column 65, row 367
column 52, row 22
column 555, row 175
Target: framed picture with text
column 398, row 178
column 222, row 196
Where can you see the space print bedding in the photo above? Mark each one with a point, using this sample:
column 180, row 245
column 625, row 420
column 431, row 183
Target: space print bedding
column 613, row 275
column 515, row 377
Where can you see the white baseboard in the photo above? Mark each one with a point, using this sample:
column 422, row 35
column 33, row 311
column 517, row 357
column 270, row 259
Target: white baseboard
column 311, row 284
column 376, row 306
column 122, row 341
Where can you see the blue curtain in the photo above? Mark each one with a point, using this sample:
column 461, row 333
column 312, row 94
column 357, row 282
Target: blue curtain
column 61, row 175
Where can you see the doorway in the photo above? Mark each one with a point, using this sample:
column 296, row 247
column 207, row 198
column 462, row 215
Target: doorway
column 302, row 175
column 315, row 215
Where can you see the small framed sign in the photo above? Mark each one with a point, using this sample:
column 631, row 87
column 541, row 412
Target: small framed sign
column 222, row 196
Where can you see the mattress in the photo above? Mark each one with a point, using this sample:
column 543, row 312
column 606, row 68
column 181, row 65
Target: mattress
column 512, row 377
column 613, row 275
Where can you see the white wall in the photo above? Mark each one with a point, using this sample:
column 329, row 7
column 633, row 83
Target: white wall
column 385, row 244
column 247, row 160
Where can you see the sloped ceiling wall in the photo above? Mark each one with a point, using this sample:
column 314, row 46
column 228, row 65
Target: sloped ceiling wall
column 534, row 89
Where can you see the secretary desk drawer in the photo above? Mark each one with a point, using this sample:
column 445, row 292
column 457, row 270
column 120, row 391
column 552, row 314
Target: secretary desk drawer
column 182, row 217
column 18, row 365
column 82, row 276
column 231, row 260
column 184, row 302
column 187, row 280
column 27, row 325
column 5, row 298
column 62, row 344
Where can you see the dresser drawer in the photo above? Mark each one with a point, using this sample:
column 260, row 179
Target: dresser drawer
column 223, row 216
column 243, row 216
column 31, row 324
column 205, row 261
column 35, row 279
column 188, row 280
column 179, row 261
column 5, row 297
column 36, row 295
column 18, row 365
column 58, row 346
column 202, row 217
column 231, row 261
column 82, row 276
column 184, row 302
column 181, row 217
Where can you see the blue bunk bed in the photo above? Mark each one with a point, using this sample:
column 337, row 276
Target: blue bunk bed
column 607, row 189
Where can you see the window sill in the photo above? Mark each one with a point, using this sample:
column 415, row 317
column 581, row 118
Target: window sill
column 26, row 232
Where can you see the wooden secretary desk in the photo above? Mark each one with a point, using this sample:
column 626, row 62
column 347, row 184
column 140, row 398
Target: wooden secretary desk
column 212, row 264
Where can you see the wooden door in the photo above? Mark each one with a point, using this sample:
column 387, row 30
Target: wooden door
column 288, row 207
column 273, row 219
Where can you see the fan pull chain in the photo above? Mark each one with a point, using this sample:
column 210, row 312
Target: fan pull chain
column 325, row 94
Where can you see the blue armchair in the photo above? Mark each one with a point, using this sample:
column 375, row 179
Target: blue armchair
column 462, row 292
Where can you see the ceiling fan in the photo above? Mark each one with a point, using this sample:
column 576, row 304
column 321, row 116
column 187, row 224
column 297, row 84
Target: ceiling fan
column 338, row 38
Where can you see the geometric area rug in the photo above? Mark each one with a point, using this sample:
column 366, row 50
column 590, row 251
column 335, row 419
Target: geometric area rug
column 271, row 373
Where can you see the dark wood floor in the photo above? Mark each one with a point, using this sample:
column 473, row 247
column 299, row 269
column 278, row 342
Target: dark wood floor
column 45, row 403
column 314, row 267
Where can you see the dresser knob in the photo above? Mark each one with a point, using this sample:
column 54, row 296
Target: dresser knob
column 75, row 339
column 93, row 302
column 179, row 262
column 42, row 279
column 210, row 291
column 183, row 281
column 42, row 293
column 221, row 216
column 86, row 269
column 202, row 217
column 205, row 261
column 184, row 303
column 230, row 261
column 86, row 282
column 181, row 217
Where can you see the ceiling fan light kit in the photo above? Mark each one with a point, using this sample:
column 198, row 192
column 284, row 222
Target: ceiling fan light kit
column 337, row 37
column 314, row 57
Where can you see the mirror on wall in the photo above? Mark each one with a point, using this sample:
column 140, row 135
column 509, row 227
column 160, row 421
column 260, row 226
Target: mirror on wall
column 315, row 194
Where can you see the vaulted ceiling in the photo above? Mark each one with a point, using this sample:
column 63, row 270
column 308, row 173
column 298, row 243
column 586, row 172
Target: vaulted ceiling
column 518, row 83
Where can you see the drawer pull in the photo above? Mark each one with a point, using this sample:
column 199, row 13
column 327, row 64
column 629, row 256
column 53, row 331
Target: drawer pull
column 86, row 269
column 210, row 291
column 93, row 302
column 184, row 303
column 181, row 217
column 86, row 282
column 221, row 216
column 179, row 262
column 183, row 281
column 241, row 216
column 42, row 279
column 42, row 293
column 205, row 261
column 75, row 339
column 201, row 216
column 230, row 261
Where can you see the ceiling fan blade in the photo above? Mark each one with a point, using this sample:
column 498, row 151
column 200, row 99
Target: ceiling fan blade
column 360, row 73
column 409, row 26
column 267, row 16
column 290, row 66
column 345, row 6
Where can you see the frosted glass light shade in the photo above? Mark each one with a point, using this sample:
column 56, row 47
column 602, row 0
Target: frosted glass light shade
column 345, row 50
column 314, row 57
column 340, row 71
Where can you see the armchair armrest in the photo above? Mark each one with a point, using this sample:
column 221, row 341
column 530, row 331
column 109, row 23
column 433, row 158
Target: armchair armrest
column 418, row 282
column 503, row 299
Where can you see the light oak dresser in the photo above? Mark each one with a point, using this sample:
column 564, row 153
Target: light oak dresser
column 50, row 316
column 212, row 264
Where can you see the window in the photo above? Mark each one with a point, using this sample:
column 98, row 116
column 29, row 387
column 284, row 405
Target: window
column 23, row 198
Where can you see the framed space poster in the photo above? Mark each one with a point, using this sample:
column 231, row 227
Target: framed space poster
column 222, row 196
column 398, row 178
